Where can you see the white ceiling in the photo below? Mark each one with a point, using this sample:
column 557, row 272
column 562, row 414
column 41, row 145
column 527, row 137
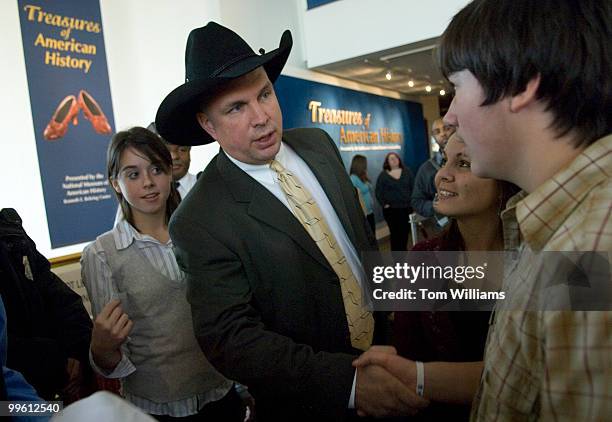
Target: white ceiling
column 412, row 62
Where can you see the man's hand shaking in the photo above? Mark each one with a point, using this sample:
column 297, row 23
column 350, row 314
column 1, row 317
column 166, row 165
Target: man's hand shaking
column 386, row 384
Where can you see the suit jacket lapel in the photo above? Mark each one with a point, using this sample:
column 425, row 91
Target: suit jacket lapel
column 265, row 207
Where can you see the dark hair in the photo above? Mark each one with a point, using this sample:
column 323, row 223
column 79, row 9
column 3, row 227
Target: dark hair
column 153, row 148
column 506, row 43
column 386, row 165
column 451, row 236
column 359, row 167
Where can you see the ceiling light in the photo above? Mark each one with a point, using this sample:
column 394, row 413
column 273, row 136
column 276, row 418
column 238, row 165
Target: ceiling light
column 411, row 83
column 442, row 92
column 428, row 88
column 388, row 75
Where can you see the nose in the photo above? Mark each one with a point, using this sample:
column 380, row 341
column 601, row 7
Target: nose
column 147, row 180
column 443, row 175
column 259, row 116
column 450, row 118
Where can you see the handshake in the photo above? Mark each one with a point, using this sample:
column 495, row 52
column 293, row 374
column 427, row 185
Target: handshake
column 386, row 384
column 390, row 385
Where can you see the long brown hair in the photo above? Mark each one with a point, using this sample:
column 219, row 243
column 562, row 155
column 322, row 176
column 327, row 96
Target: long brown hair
column 153, row 148
column 359, row 167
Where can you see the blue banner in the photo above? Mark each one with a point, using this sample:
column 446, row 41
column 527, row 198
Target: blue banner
column 72, row 114
column 359, row 123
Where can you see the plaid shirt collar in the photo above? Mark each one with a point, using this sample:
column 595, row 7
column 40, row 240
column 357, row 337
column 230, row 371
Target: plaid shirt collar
column 511, row 230
column 541, row 213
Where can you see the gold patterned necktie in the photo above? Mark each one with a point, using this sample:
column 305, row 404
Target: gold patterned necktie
column 360, row 320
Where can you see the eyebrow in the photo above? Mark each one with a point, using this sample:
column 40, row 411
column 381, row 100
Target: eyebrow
column 458, row 155
column 268, row 85
column 233, row 104
column 127, row 168
column 132, row 167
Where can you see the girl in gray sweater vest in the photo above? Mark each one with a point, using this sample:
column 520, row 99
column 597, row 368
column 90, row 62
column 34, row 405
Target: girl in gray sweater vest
column 143, row 331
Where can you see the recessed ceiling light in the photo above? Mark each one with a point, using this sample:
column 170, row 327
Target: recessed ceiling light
column 428, row 88
column 411, row 83
column 442, row 92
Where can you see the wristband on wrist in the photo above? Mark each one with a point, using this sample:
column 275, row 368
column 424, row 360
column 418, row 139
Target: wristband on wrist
column 420, row 373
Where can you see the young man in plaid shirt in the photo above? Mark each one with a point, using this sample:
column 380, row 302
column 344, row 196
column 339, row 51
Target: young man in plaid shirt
column 533, row 102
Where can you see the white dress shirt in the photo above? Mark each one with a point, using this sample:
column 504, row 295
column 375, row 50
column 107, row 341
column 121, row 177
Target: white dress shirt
column 185, row 184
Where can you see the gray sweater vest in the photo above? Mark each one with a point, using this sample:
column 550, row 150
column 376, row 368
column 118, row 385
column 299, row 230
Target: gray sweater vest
column 169, row 363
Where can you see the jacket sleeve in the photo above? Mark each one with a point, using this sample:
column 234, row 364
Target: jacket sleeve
column 421, row 199
column 67, row 309
column 63, row 327
column 229, row 329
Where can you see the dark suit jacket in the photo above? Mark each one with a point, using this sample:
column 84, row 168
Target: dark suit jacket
column 267, row 307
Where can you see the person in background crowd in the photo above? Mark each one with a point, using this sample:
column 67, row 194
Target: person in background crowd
column 143, row 331
column 270, row 239
column 474, row 206
column 393, row 190
column 424, row 184
column 359, row 177
column 181, row 160
column 49, row 329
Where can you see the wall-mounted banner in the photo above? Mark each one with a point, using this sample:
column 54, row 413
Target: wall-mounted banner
column 360, row 123
column 72, row 113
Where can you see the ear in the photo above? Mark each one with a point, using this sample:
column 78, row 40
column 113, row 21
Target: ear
column 527, row 97
column 207, row 125
column 116, row 186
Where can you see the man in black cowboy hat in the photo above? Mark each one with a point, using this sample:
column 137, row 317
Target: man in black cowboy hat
column 270, row 239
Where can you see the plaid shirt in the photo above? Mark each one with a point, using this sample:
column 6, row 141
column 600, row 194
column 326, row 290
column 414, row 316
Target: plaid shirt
column 553, row 365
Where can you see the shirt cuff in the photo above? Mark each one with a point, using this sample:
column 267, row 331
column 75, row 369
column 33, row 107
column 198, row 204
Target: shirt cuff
column 124, row 368
column 351, row 403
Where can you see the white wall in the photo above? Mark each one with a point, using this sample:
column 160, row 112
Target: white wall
column 261, row 23
column 351, row 28
column 145, row 46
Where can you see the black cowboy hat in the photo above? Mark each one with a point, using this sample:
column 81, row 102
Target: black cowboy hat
column 214, row 56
